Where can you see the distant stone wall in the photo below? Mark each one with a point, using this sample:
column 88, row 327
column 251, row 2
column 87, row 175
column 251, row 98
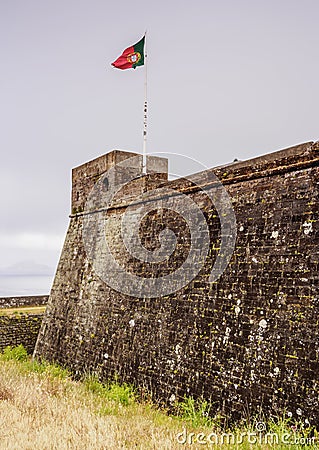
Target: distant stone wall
column 248, row 342
column 19, row 301
column 20, row 328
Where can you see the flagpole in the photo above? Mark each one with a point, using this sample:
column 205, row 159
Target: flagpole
column 145, row 109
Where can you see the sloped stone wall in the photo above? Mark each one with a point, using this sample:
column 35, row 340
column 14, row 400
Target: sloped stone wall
column 248, row 342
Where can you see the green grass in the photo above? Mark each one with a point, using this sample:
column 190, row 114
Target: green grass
column 195, row 412
column 28, row 364
column 120, row 393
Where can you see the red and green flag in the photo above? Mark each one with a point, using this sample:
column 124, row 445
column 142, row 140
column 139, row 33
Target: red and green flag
column 131, row 57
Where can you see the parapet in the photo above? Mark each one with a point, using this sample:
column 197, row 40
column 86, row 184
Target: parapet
column 292, row 158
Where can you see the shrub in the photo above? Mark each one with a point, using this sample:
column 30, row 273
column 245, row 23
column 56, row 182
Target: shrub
column 18, row 353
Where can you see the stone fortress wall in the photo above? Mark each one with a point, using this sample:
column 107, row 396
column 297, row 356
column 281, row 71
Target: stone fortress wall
column 248, row 341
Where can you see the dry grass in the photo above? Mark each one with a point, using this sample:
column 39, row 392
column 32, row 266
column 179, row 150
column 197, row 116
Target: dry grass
column 22, row 310
column 39, row 411
column 42, row 408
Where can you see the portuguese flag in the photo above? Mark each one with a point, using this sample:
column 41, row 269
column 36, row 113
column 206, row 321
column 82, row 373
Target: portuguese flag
column 131, row 57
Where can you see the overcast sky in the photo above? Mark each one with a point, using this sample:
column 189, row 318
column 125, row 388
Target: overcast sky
column 227, row 79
